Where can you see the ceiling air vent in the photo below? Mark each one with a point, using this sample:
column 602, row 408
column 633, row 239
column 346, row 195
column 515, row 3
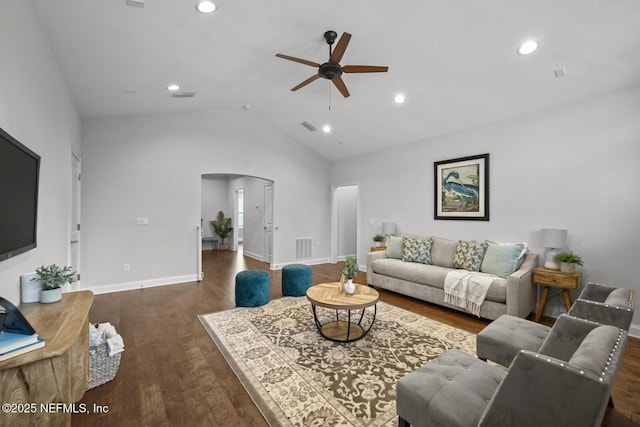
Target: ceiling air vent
column 183, row 94
column 309, row 126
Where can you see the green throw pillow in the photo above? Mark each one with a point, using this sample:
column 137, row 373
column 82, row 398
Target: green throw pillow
column 394, row 247
column 416, row 250
column 502, row 259
column 469, row 255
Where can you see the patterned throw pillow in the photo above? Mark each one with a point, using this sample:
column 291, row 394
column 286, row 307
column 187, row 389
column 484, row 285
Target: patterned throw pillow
column 416, row 250
column 469, row 255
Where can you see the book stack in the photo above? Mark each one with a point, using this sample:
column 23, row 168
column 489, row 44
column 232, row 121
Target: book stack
column 14, row 344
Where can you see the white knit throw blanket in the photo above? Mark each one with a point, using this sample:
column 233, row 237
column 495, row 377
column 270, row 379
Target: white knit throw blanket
column 467, row 289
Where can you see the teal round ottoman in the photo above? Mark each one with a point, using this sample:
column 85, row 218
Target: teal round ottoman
column 296, row 279
column 252, row 288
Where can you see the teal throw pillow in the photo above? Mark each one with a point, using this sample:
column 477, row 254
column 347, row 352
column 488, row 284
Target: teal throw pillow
column 394, row 247
column 469, row 255
column 502, row 259
column 416, row 250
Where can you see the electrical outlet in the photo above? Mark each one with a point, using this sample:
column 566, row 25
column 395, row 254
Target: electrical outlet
column 127, row 267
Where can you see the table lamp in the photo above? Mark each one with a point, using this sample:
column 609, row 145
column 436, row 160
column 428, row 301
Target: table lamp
column 553, row 239
column 388, row 228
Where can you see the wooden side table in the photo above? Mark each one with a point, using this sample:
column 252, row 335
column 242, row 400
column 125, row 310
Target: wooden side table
column 378, row 248
column 556, row 279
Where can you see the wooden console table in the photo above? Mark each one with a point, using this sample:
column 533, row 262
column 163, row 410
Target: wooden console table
column 556, row 279
column 57, row 373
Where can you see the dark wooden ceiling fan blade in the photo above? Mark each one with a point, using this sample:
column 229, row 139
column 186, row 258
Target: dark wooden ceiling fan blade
column 364, row 69
column 306, row 82
column 294, row 59
column 340, row 48
column 339, row 83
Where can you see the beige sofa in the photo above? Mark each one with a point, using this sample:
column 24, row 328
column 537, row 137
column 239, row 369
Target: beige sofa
column 514, row 294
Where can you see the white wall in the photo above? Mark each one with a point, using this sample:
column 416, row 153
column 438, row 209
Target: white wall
column 37, row 110
column 151, row 166
column 214, row 199
column 574, row 168
column 346, row 199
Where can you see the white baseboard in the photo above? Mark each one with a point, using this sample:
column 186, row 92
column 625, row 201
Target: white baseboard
column 634, row 331
column 141, row 284
column 253, row 255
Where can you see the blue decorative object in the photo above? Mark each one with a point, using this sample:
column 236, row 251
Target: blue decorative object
column 252, row 288
column 296, row 279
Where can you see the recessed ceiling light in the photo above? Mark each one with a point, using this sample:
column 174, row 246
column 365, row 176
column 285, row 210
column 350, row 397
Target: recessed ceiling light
column 326, row 128
column 205, row 6
column 173, row 87
column 399, row 98
column 528, row 47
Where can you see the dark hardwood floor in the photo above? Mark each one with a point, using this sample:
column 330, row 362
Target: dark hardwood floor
column 172, row 374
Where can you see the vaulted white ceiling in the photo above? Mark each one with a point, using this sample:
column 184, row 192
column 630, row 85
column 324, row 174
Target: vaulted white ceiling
column 455, row 61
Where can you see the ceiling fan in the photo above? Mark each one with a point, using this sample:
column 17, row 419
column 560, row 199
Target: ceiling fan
column 332, row 70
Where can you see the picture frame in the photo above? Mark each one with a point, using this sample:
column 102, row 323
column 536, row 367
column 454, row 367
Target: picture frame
column 461, row 188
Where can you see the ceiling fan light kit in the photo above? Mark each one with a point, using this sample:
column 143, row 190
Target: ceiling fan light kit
column 332, row 70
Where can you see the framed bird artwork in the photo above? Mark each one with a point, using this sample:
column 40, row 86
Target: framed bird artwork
column 462, row 188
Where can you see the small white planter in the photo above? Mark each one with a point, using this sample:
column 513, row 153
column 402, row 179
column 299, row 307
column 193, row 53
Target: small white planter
column 29, row 289
column 568, row 267
column 50, row 295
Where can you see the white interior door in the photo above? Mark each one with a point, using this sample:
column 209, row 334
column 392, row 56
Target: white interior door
column 268, row 222
column 74, row 229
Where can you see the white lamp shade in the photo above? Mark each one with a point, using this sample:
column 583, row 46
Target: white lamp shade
column 554, row 238
column 389, row 228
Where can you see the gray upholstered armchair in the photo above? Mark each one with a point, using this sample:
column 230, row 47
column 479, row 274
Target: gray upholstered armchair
column 605, row 304
column 567, row 382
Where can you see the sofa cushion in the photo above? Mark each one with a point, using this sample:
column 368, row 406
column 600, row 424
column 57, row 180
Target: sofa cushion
column 502, row 259
column 416, row 250
column 443, row 251
column 394, row 247
column 430, row 275
column 469, row 255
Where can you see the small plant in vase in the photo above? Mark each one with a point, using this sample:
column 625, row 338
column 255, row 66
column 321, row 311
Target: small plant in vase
column 568, row 262
column 53, row 278
column 350, row 271
column 378, row 239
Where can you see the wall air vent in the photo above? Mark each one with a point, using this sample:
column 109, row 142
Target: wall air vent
column 303, row 248
column 309, row 126
column 183, row 94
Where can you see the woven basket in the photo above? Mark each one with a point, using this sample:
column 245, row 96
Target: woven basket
column 102, row 368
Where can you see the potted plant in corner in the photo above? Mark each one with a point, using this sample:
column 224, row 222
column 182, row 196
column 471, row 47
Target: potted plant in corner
column 350, row 271
column 378, row 239
column 53, row 278
column 222, row 227
column 568, row 262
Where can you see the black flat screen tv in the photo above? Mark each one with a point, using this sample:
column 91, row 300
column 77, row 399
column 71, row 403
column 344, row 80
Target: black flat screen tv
column 19, row 173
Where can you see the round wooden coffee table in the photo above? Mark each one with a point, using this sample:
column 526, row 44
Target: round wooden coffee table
column 328, row 295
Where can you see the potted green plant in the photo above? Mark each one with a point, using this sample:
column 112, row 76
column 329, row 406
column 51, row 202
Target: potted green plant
column 378, row 239
column 222, row 227
column 53, row 278
column 568, row 262
column 350, row 270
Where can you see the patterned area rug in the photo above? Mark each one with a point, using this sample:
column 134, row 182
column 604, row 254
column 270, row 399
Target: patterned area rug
column 298, row 378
